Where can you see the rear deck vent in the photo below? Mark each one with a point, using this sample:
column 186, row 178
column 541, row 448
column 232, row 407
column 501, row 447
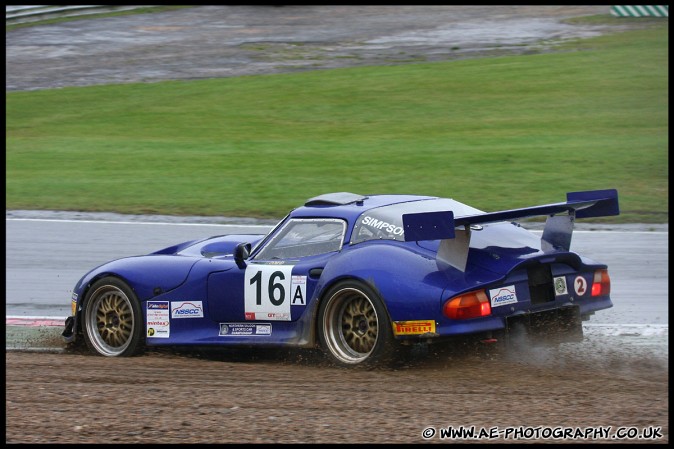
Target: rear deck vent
column 541, row 289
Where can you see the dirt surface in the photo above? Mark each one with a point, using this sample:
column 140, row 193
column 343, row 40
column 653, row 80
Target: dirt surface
column 257, row 396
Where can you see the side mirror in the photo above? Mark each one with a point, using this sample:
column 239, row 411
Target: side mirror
column 241, row 253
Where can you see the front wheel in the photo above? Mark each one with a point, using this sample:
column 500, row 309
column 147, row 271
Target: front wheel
column 354, row 326
column 112, row 319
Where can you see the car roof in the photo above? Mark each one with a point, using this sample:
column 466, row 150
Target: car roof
column 349, row 205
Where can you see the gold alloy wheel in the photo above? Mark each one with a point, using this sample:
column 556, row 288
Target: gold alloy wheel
column 109, row 320
column 350, row 325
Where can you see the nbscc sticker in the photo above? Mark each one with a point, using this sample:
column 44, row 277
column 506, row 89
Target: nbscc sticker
column 187, row 309
column 502, row 296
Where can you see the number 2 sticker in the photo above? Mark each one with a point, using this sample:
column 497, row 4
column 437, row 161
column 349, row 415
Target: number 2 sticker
column 580, row 285
column 270, row 290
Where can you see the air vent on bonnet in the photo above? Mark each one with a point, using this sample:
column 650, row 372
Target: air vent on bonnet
column 335, row 199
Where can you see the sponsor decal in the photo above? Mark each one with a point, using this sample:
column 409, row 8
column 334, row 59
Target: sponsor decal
column 187, row 309
column 382, row 225
column 560, row 286
column 157, row 305
column 73, row 304
column 503, row 296
column 157, row 323
column 416, row 327
column 275, row 316
column 244, row 329
column 580, row 285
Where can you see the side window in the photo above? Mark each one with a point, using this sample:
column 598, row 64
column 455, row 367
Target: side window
column 305, row 237
column 379, row 224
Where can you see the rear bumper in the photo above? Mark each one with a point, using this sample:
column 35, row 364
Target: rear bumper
column 547, row 316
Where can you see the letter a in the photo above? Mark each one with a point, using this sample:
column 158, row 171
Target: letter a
column 298, row 294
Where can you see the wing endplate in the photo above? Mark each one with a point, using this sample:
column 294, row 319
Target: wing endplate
column 605, row 203
column 429, row 226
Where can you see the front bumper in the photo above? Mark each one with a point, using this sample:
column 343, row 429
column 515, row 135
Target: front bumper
column 69, row 334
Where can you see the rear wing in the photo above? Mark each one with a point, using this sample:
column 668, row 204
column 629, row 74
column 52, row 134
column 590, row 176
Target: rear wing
column 556, row 234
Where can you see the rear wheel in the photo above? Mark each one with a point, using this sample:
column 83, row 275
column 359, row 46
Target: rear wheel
column 354, row 326
column 112, row 319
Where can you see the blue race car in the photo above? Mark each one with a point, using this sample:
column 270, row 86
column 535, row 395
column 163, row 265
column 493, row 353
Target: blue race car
column 355, row 275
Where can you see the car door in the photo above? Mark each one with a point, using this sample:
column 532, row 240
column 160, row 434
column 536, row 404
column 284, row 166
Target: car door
column 278, row 281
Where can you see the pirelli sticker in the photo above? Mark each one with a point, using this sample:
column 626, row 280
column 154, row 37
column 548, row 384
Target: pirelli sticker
column 417, row 327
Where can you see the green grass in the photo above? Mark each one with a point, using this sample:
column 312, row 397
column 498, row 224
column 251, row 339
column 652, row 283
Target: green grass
column 495, row 133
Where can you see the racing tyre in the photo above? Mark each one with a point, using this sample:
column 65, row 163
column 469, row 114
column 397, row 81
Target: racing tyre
column 112, row 319
column 353, row 326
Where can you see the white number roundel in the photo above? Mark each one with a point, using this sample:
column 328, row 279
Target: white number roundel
column 580, row 285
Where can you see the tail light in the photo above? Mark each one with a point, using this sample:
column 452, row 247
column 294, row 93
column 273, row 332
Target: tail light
column 601, row 285
column 468, row 305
